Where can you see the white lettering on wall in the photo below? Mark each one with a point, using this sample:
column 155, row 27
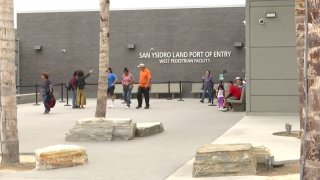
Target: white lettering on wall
column 184, row 57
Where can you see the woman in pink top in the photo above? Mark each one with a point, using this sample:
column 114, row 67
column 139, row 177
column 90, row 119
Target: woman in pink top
column 127, row 83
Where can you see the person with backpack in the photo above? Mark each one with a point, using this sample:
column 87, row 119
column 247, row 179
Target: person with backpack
column 72, row 86
column 81, row 94
column 46, row 91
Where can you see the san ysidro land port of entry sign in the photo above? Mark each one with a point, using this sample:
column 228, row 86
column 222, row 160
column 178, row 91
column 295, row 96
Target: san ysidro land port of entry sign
column 191, row 57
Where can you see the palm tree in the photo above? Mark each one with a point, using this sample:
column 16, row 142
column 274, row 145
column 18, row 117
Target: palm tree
column 103, row 59
column 8, row 106
column 309, row 92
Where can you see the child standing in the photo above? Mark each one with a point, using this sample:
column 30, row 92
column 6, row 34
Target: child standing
column 220, row 96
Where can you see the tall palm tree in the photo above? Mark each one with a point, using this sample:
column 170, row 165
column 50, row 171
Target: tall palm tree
column 8, row 106
column 309, row 92
column 103, row 59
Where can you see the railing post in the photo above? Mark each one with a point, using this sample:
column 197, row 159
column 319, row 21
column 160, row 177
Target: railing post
column 67, row 96
column 180, row 91
column 36, row 104
column 61, row 94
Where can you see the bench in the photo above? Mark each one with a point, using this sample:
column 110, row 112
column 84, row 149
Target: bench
column 239, row 105
column 155, row 89
column 163, row 89
column 27, row 98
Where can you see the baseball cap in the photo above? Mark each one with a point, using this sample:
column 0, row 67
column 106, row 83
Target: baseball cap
column 141, row 65
column 238, row 78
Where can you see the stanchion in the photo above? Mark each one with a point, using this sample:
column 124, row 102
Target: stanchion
column 169, row 91
column 61, row 94
column 36, row 104
column 67, row 96
column 180, row 91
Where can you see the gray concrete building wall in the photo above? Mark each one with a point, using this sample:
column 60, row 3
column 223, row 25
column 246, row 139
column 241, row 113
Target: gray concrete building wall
column 271, row 66
column 172, row 31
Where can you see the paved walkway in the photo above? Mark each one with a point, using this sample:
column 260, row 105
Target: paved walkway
column 256, row 130
column 188, row 125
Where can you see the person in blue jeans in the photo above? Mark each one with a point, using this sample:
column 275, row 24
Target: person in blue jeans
column 112, row 79
column 73, row 83
column 207, row 86
column 127, row 83
column 46, row 91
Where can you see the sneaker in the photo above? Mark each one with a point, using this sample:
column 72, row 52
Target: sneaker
column 46, row 112
column 127, row 107
column 147, row 107
column 111, row 106
column 201, row 101
column 124, row 102
column 138, row 107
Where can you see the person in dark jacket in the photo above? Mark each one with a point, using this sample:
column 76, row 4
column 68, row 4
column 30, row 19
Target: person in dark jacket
column 81, row 94
column 46, row 91
column 73, row 88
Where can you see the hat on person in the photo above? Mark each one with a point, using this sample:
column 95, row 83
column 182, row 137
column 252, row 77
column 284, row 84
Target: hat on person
column 141, row 65
column 238, row 78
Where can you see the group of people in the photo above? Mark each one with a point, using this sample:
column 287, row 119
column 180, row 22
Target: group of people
column 77, row 86
column 234, row 92
column 127, row 82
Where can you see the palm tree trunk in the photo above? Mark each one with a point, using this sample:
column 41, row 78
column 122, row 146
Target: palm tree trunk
column 8, row 116
column 310, row 109
column 103, row 59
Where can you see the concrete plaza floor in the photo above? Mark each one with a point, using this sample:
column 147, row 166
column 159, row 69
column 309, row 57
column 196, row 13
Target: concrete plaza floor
column 188, row 125
column 256, row 130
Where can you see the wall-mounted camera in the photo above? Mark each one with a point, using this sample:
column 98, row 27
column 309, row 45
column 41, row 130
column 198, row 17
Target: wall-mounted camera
column 261, row 21
column 63, row 51
column 244, row 23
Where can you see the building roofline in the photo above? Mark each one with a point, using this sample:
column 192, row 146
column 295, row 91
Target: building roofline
column 134, row 9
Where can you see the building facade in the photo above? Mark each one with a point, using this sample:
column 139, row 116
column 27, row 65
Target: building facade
column 176, row 44
column 271, row 63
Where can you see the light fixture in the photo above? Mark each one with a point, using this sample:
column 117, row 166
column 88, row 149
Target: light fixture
column 37, row 48
column 238, row 44
column 271, row 15
column 131, row 46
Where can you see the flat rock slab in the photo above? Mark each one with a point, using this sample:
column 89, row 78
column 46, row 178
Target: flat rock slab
column 60, row 156
column 224, row 160
column 100, row 129
column 149, row 129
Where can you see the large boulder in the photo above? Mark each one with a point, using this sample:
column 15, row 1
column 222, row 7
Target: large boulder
column 60, row 156
column 100, row 129
column 149, row 128
column 224, row 160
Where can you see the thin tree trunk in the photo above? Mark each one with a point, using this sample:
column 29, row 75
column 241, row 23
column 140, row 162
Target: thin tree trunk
column 310, row 150
column 103, row 59
column 8, row 116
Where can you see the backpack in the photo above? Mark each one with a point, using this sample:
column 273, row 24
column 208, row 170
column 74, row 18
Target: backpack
column 81, row 83
column 69, row 86
column 52, row 101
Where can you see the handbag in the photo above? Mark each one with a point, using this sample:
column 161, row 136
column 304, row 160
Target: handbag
column 52, row 101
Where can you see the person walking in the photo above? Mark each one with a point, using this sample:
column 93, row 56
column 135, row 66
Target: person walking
column 127, row 83
column 112, row 79
column 46, row 91
column 144, row 86
column 73, row 88
column 81, row 94
column 207, row 86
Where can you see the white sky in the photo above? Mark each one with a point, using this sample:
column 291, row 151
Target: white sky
column 66, row 5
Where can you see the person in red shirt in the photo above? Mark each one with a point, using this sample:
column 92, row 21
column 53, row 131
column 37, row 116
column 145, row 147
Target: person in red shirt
column 233, row 93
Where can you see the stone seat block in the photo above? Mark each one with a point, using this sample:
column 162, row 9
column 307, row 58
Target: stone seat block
column 60, row 156
column 148, row 129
